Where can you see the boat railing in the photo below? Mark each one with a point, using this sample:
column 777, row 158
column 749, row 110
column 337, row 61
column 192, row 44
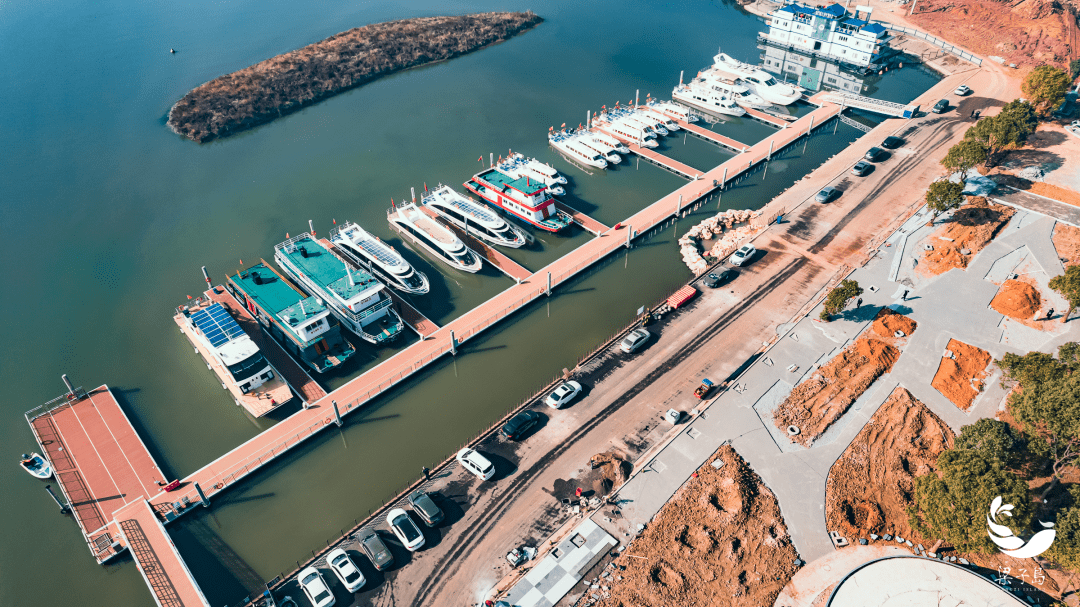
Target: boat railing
column 68, row 397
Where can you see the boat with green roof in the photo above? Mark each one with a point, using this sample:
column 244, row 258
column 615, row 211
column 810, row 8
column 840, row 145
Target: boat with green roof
column 523, row 197
column 302, row 324
column 354, row 296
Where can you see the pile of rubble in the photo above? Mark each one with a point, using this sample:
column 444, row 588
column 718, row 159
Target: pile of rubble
column 721, row 227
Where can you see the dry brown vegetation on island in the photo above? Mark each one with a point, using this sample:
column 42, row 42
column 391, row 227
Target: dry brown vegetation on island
column 272, row 88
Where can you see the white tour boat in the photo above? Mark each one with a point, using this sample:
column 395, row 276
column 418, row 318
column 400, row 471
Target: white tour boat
column 522, row 197
column 435, row 238
column 607, row 151
column 697, row 93
column 369, row 252
column 656, row 121
column 566, row 143
column 673, row 111
column 631, row 132
column 516, row 165
column 730, row 86
column 759, row 81
column 617, row 145
column 476, row 218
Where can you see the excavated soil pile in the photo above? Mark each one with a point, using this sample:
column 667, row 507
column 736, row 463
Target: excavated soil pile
column 818, row 402
column 1025, row 32
column 960, row 378
column 1017, row 300
column 613, row 467
column 871, row 484
column 721, row 540
column 971, row 228
column 1067, row 243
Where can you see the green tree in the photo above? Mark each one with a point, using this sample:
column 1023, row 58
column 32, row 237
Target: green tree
column 1065, row 550
column 1045, row 86
column 838, row 298
column 1032, row 368
column 1012, row 126
column 992, row 439
column 1049, row 413
column 1074, row 68
column 964, row 156
column 944, row 195
column 1068, row 284
column 952, row 503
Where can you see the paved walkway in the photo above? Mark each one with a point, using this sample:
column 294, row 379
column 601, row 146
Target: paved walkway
column 809, row 582
column 164, row 572
column 1065, row 213
column 712, row 136
column 766, row 118
column 911, row 580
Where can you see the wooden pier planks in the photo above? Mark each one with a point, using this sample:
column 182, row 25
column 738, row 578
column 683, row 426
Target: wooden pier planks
column 156, row 556
column 583, row 220
column 764, row 117
column 713, row 137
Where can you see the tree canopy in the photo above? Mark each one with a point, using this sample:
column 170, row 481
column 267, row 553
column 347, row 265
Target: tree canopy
column 1047, row 405
column 1045, row 86
column 964, row 156
column 953, row 503
column 1068, row 284
column 838, row 297
column 1011, row 126
column 992, row 439
column 944, row 195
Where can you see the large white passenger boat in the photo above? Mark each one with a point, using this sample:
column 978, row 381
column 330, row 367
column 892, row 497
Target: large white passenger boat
column 521, row 196
column 617, row 145
column 758, row 80
column 630, row 131
column 730, row 86
column 356, row 297
column 517, row 166
column 565, row 142
column 476, row 218
column 673, row 111
column 699, row 94
column 436, row 239
column 369, row 252
column 608, row 151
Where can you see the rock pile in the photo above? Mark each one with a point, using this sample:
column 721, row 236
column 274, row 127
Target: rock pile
column 722, row 225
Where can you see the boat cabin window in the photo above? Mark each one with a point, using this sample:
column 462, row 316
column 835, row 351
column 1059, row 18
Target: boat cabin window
column 248, row 367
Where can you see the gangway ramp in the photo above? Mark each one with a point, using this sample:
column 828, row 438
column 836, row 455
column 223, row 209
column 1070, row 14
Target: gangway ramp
column 869, row 104
column 157, row 558
column 583, row 220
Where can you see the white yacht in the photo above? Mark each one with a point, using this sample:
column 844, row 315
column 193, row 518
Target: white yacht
column 702, row 96
column 759, row 81
column 476, row 218
column 673, row 111
column 369, row 252
column 617, row 145
column 566, row 143
column 632, row 132
column 647, row 123
column 730, row 86
column 437, row 239
column 657, row 121
column 607, row 151
column 518, row 166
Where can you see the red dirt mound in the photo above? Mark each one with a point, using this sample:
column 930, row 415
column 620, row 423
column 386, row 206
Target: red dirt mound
column 1067, row 243
column 971, row 228
column 960, row 378
column 889, row 322
column 871, row 484
column 721, row 540
column 1017, row 300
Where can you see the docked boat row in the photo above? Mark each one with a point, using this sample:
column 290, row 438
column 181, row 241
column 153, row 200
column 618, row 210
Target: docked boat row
column 518, row 194
column 435, row 238
column 472, row 217
column 758, row 81
column 573, row 146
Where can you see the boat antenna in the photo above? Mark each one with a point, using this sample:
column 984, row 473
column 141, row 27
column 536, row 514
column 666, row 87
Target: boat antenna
column 491, row 159
column 302, row 310
column 680, row 76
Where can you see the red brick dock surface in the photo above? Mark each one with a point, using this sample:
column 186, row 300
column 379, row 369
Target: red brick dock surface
column 157, row 558
column 583, row 220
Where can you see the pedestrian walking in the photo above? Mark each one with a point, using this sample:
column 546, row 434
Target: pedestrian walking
column 1049, row 314
column 972, row 114
column 858, row 303
column 427, row 474
column 904, row 296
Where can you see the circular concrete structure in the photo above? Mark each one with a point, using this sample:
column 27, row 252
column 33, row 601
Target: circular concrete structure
column 911, row 581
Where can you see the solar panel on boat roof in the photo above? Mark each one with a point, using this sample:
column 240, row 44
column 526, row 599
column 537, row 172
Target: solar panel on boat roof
column 216, row 324
column 471, row 209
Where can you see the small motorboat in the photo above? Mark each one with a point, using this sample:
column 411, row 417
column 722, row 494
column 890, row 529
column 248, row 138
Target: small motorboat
column 37, row 466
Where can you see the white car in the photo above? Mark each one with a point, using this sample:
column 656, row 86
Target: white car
column 405, row 529
column 634, row 340
column 345, row 570
column 563, row 394
column 476, row 463
column 315, row 588
column 962, row 90
column 743, row 255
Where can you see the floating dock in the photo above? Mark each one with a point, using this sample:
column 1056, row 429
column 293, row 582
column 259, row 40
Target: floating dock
column 767, row 118
column 161, row 566
column 711, row 136
column 587, row 223
column 490, row 254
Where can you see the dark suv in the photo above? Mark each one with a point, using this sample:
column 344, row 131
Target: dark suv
column 425, row 508
column 376, row 550
column 940, row 106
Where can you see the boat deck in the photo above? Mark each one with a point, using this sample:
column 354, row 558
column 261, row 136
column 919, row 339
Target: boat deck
column 157, row 558
column 412, row 317
column 429, row 225
column 496, row 258
column 258, row 403
column 99, row 461
column 583, row 220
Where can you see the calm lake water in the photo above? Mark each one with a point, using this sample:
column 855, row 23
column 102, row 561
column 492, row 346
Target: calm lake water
column 107, row 216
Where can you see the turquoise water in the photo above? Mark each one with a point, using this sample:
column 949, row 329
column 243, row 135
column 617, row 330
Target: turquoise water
column 107, row 217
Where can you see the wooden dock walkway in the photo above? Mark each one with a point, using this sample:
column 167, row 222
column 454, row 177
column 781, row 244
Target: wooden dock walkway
column 412, row 317
column 492, row 255
column 680, row 169
column 712, row 136
column 583, row 220
column 264, row 448
column 161, row 566
column 766, row 118
column 99, row 461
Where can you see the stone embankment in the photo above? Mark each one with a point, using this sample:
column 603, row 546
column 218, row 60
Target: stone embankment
column 277, row 86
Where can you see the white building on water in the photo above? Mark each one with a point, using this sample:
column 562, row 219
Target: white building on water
column 829, row 33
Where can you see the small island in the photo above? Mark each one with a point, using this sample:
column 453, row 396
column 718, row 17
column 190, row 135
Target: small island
column 277, row 86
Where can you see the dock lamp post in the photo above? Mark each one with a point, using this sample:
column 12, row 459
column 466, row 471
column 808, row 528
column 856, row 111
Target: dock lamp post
column 453, row 343
column 202, row 496
column 337, row 413
column 548, row 292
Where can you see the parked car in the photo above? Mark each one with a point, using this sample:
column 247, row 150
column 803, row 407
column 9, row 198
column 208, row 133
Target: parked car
column 425, row 508
column 634, row 340
column 520, row 424
column 476, row 463
column 861, row 168
column 566, row 392
column 715, row 280
column 743, row 255
column 962, row 90
column 313, row 585
column 826, row 194
column 940, row 106
column 405, row 529
column 874, row 154
column 891, row 142
column 376, row 551
column 345, row 570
